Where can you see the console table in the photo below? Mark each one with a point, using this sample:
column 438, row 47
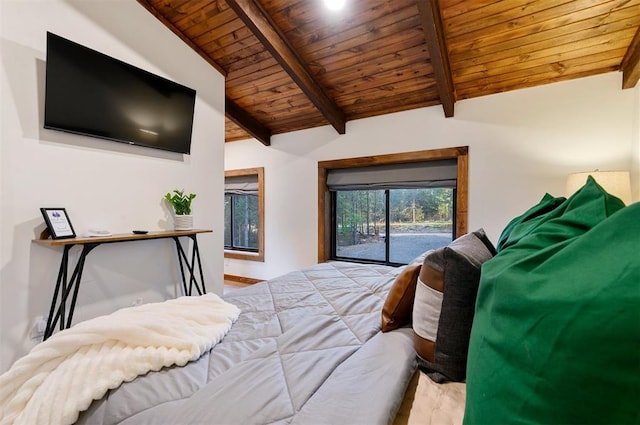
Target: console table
column 65, row 283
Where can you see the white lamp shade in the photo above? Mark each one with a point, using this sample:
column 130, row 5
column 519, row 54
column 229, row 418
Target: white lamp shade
column 617, row 183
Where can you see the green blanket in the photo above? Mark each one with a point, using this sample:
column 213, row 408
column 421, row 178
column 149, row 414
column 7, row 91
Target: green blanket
column 556, row 334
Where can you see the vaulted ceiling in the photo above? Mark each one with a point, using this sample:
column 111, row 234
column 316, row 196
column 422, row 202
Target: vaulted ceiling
column 294, row 64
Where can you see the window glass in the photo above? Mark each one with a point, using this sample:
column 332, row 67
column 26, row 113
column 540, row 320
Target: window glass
column 244, row 214
column 360, row 221
column 421, row 219
column 391, row 226
column 227, row 220
column 244, row 226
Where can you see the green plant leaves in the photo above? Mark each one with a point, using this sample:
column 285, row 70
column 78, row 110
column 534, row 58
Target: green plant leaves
column 181, row 203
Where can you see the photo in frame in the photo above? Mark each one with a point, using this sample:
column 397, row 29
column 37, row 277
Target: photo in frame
column 58, row 223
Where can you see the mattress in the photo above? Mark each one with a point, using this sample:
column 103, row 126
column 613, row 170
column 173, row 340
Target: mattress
column 306, row 348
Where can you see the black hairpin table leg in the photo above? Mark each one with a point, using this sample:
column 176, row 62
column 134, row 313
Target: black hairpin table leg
column 184, row 261
column 64, row 287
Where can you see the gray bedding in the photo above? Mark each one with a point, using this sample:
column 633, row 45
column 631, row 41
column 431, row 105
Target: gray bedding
column 306, row 349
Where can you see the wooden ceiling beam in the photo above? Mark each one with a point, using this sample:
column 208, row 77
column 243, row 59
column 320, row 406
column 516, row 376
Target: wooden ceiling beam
column 273, row 39
column 437, row 46
column 247, row 122
column 182, row 36
column 630, row 65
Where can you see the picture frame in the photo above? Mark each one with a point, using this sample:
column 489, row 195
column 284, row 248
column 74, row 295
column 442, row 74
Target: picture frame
column 58, row 223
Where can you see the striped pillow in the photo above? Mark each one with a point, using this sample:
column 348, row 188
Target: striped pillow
column 444, row 305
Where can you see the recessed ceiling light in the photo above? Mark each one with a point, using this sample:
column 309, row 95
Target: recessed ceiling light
column 334, row 4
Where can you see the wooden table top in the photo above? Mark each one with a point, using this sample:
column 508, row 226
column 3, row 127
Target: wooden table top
column 120, row 237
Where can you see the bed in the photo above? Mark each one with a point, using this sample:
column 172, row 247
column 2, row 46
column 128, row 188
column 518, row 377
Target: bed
column 305, row 348
column 268, row 369
column 542, row 328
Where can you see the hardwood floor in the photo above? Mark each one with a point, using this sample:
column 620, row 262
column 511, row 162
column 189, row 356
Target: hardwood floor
column 236, row 284
column 232, row 282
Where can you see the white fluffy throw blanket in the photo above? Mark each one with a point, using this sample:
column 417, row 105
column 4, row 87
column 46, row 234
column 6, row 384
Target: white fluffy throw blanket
column 61, row 376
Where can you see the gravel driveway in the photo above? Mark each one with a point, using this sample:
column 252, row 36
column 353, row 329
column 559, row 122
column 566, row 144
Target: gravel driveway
column 404, row 247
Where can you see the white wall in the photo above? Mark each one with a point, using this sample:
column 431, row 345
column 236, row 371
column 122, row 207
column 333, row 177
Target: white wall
column 101, row 184
column 521, row 145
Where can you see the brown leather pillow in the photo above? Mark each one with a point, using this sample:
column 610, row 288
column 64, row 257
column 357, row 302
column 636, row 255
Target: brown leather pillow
column 398, row 307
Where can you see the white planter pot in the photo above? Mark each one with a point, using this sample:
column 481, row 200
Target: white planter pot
column 183, row 222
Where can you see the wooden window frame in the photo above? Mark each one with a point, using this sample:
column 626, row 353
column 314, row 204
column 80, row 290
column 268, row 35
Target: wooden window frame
column 461, row 154
column 244, row 255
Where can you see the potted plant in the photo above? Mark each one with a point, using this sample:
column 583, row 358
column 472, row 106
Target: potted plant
column 181, row 204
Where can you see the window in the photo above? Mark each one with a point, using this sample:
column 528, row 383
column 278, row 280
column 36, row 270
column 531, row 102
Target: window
column 244, row 214
column 390, row 209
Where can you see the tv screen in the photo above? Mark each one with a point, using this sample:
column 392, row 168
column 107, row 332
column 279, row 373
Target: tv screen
column 93, row 94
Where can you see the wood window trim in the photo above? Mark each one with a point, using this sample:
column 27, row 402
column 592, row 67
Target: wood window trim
column 461, row 154
column 251, row 256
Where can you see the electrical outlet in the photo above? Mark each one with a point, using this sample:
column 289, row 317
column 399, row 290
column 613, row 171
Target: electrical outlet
column 39, row 326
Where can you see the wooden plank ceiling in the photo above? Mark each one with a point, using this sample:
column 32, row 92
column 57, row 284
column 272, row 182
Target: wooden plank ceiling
column 294, row 64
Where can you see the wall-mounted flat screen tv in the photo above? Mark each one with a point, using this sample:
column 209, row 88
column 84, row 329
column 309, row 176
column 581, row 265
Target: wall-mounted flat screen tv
column 93, row 94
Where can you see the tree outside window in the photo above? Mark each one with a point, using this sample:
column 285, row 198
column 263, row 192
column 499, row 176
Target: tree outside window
column 244, row 214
